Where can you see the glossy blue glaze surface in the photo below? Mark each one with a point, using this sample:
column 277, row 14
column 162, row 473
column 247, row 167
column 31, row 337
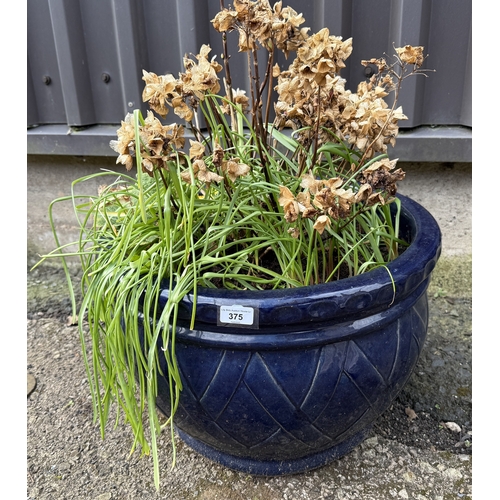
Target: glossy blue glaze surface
column 324, row 363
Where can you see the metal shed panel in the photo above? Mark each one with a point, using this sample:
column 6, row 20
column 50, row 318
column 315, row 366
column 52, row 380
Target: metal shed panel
column 46, row 103
column 450, row 55
column 95, row 50
column 68, row 31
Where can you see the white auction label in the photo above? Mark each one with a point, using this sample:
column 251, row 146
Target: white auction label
column 236, row 315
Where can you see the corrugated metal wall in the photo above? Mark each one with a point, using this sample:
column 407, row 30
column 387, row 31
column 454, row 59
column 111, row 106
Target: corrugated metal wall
column 85, row 61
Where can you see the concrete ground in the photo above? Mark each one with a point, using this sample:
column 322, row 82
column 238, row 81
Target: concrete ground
column 418, row 455
column 444, row 189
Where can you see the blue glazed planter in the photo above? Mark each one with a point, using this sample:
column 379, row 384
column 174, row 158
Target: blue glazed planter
column 304, row 384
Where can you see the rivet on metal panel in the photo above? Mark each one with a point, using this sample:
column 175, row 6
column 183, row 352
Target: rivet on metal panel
column 369, row 71
column 130, row 104
column 105, row 78
column 46, row 79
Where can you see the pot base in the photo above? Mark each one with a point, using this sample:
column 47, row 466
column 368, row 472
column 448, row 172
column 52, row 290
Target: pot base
column 275, row 467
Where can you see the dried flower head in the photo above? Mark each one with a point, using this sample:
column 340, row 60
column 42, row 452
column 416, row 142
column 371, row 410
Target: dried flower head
column 234, row 168
column 289, row 203
column 276, row 27
column 159, row 91
column 381, row 176
column 158, row 142
column 197, row 149
column 125, row 145
column 201, row 78
column 321, row 223
column 201, row 172
column 411, row 55
column 239, row 98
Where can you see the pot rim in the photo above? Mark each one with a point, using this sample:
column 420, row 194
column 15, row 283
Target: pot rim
column 367, row 293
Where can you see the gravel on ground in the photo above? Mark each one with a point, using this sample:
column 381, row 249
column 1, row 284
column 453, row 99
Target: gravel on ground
column 420, row 448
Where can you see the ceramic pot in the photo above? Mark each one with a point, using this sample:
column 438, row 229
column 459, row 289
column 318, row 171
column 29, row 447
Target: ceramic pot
column 284, row 381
